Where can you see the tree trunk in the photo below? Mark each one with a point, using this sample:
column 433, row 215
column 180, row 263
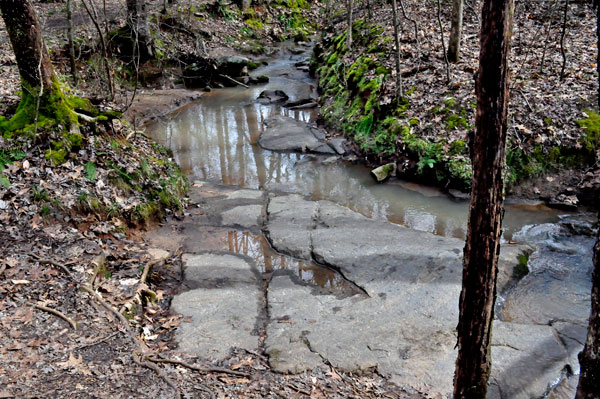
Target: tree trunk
column 399, row 91
column 41, row 95
column 482, row 246
column 71, row 42
column 589, row 358
column 30, row 51
column 349, row 40
column 137, row 18
column 456, row 31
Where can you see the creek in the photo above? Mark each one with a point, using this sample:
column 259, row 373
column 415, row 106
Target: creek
column 215, row 139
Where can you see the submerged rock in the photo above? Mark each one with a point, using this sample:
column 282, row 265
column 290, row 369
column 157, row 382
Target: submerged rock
column 272, row 97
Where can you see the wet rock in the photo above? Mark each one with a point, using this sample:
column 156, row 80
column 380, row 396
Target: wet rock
column 272, row 97
column 287, row 134
column 406, row 325
column 384, row 171
column 339, row 145
column 458, row 194
column 233, row 65
column 297, row 50
column 246, row 216
column 225, row 304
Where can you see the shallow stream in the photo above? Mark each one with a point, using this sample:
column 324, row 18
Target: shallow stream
column 215, row 139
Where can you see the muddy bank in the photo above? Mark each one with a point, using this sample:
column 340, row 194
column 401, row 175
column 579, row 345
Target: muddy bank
column 150, row 104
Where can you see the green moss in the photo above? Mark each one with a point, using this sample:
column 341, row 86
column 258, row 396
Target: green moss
column 521, row 269
column 458, row 147
column 591, row 129
column 57, row 156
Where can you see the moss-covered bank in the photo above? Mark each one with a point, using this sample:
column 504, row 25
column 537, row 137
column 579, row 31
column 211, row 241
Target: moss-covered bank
column 356, row 99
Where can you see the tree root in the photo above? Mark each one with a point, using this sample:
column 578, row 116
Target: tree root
column 199, row 368
column 59, row 314
column 55, row 264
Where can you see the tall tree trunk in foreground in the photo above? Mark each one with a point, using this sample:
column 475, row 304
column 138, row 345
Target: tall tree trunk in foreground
column 349, row 40
column 478, row 295
column 589, row 358
column 456, row 30
column 137, row 18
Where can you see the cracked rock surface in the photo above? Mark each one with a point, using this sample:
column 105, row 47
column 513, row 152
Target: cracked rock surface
column 406, row 325
column 401, row 319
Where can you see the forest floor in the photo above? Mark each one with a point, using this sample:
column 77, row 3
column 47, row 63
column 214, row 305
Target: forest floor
column 59, row 340
column 71, row 266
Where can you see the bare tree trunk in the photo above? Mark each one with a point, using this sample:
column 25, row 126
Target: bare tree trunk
column 137, row 18
column 482, row 247
column 349, row 40
column 563, row 51
column 94, row 17
column 71, row 43
column 30, row 51
column 41, row 93
column 439, row 18
column 456, row 31
column 589, row 358
column 399, row 90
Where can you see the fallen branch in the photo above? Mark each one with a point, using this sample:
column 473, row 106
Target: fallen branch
column 414, row 70
column 97, row 342
column 160, row 373
column 233, row 80
column 59, row 314
column 199, row 368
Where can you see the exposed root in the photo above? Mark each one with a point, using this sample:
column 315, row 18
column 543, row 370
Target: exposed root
column 59, row 314
column 199, row 368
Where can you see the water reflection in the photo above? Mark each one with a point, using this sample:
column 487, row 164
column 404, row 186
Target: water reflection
column 216, row 138
column 267, row 260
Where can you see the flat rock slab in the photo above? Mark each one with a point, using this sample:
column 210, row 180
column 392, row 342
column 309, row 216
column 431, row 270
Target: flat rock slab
column 406, row 326
column 287, row 134
column 223, row 308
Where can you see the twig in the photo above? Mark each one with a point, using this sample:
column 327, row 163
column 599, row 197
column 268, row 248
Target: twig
column 415, row 70
column 97, row 342
column 256, row 354
column 53, row 263
column 199, row 368
column 149, row 265
column 233, row 80
column 526, row 101
column 298, row 389
column 160, row 373
column 59, row 314
column 130, row 334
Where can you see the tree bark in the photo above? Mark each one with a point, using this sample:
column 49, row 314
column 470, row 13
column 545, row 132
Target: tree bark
column 137, row 18
column 399, row 90
column 349, row 39
column 26, row 39
column 456, row 31
column 482, row 246
column 71, row 43
column 589, row 358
